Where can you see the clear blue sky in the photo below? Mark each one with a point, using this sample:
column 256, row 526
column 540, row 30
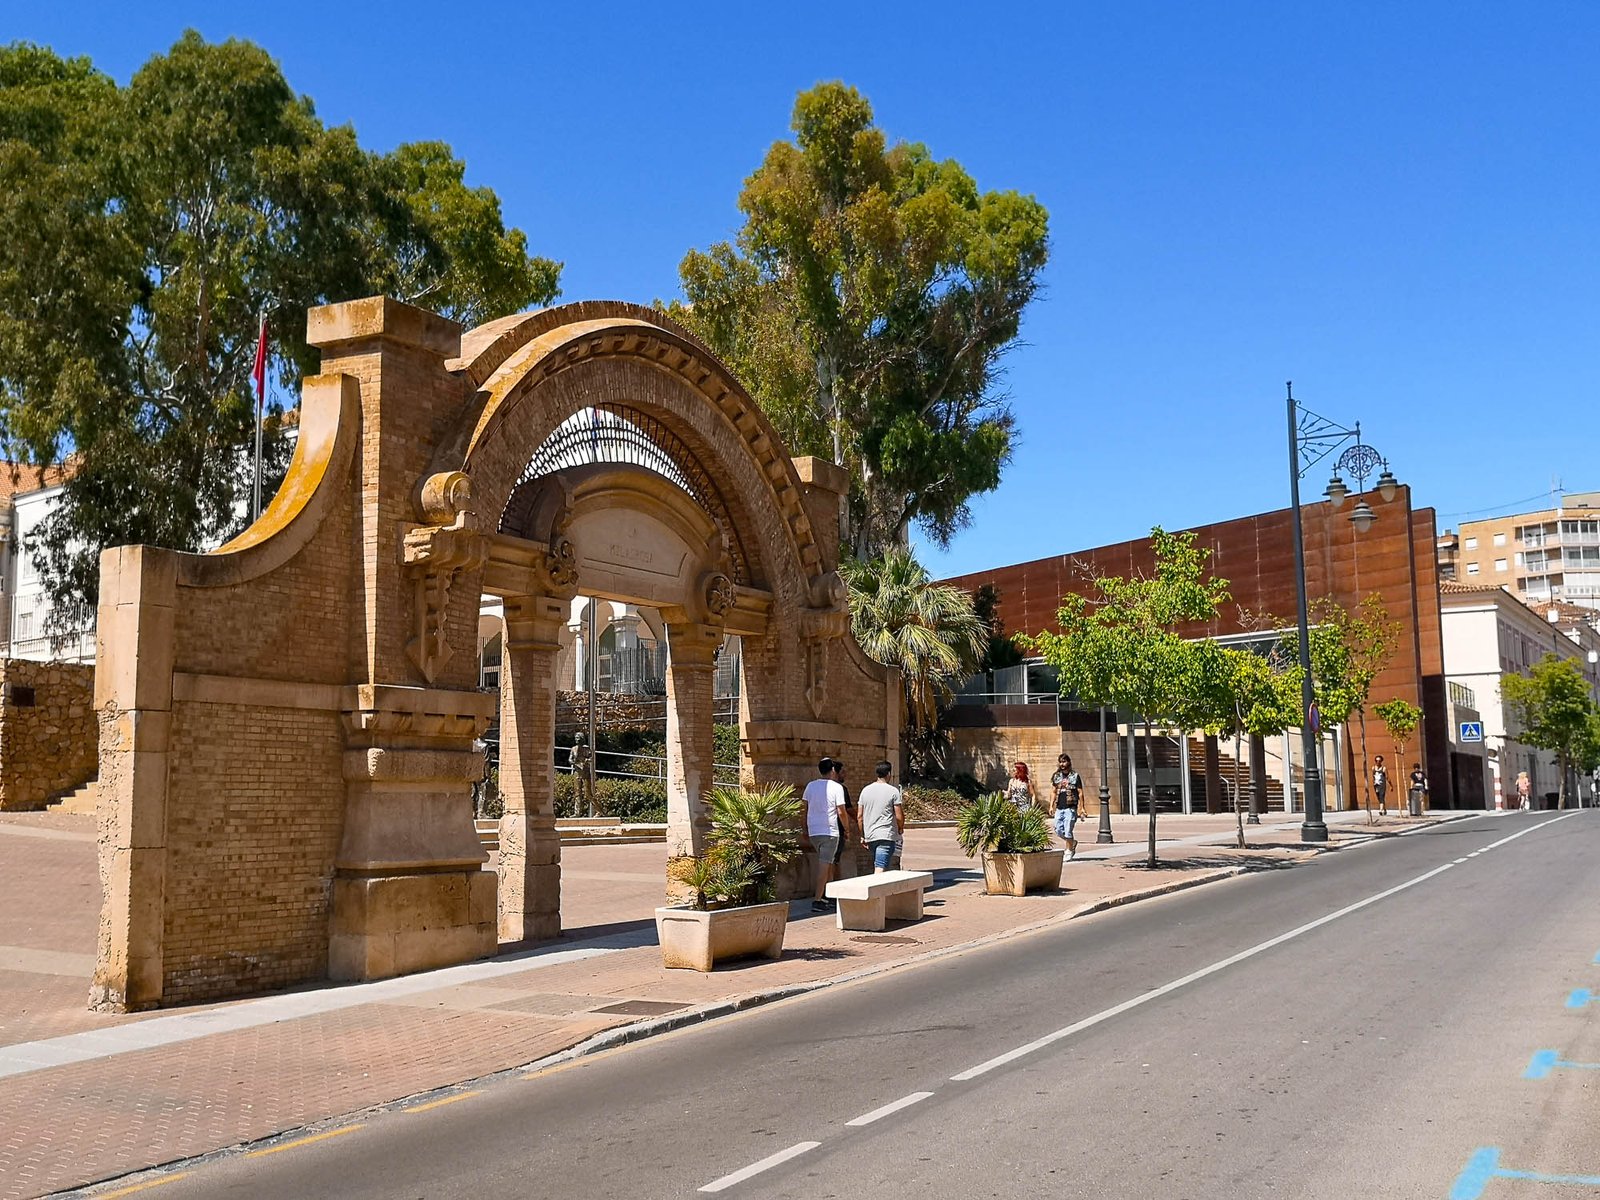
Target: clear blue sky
column 1394, row 205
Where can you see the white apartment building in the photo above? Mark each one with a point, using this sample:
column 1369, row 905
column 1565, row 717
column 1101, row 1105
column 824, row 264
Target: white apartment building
column 27, row 496
column 1551, row 554
column 1489, row 633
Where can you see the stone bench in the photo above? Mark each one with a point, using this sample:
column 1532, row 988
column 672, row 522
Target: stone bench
column 867, row 901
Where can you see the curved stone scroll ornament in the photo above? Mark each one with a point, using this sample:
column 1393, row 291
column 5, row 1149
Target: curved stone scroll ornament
column 434, row 557
column 718, row 593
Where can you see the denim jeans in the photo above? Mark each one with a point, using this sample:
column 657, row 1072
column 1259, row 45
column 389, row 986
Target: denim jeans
column 1066, row 818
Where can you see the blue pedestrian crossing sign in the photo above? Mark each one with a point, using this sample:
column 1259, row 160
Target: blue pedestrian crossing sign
column 1472, row 731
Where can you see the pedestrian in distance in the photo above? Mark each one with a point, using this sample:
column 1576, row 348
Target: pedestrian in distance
column 1524, row 790
column 1419, row 789
column 849, row 819
column 1068, row 785
column 1380, row 784
column 824, row 803
column 1019, row 790
column 883, row 816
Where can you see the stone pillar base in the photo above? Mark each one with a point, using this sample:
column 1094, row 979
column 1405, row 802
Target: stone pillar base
column 394, row 924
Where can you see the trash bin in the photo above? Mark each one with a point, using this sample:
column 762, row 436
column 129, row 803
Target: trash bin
column 1414, row 802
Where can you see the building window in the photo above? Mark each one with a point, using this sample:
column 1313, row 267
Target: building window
column 1470, row 544
column 1499, row 539
column 24, row 624
column 1472, row 568
column 1519, row 558
column 1499, row 564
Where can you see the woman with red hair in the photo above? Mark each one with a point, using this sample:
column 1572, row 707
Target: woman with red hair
column 1018, row 788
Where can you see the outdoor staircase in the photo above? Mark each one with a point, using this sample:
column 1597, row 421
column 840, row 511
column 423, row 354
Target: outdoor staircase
column 80, row 801
column 1225, row 762
column 1168, row 761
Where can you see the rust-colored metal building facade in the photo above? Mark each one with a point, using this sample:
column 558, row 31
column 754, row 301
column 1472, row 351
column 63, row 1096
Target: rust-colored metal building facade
column 1394, row 559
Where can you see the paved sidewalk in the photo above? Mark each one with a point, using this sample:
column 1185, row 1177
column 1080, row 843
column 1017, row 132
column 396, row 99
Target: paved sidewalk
column 91, row 1096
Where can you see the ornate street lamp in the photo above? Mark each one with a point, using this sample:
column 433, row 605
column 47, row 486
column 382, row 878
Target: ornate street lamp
column 1311, row 439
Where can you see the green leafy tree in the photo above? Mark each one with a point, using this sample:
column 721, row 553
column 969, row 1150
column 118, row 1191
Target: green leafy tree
column 1002, row 649
column 1247, row 693
column 901, row 618
column 867, row 303
column 1551, row 704
column 145, row 229
column 1120, row 646
column 1400, row 718
column 1348, row 651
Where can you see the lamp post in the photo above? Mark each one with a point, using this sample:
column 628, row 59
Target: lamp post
column 1311, row 439
column 1103, row 837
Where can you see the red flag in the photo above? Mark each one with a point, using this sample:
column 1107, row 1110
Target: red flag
column 258, row 373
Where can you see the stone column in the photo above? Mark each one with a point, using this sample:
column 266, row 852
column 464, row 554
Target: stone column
column 133, row 697
column 530, row 848
column 409, row 890
column 691, row 653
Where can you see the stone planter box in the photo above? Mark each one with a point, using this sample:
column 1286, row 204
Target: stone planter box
column 1019, row 874
column 699, row 940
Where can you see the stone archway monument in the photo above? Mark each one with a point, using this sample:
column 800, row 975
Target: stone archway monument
column 287, row 723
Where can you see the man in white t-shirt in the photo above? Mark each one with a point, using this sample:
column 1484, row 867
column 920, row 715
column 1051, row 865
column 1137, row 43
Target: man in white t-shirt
column 883, row 816
column 824, row 802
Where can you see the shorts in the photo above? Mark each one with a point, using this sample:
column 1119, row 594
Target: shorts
column 882, row 854
column 827, row 848
column 1066, row 818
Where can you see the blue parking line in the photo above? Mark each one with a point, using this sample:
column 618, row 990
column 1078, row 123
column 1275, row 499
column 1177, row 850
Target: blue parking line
column 1545, row 1061
column 1580, row 997
column 1484, row 1165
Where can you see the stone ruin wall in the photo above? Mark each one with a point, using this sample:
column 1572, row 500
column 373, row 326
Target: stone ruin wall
column 49, row 739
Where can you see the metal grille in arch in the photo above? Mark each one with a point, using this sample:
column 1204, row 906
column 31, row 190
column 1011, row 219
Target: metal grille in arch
column 612, row 433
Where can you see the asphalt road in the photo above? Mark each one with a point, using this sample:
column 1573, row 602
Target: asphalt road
column 1250, row 1038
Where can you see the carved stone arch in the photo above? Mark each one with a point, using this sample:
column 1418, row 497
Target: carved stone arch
column 342, row 624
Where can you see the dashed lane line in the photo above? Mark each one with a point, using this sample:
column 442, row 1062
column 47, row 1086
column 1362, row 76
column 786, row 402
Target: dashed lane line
column 1143, row 998
column 766, row 1164
column 879, row 1113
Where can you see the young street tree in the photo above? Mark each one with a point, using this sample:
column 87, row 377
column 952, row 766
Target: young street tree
column 901, row 618
column 1348, row 650
column 1400, row 718
column 867, row 303
column 1551, row 704
column 145, row 229
column 1247, row 694
column 1120, row 647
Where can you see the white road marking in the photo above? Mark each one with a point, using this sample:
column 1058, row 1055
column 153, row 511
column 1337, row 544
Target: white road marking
column 766, row 1164
column 1049, row 1039
column 896, row 1106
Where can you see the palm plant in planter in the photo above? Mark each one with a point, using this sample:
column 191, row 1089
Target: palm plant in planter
column 1015, row 844
column 733, row 909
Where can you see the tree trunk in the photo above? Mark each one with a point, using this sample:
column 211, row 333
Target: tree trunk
column 1150, row 761
column 1561, row 792
column 1366, row 767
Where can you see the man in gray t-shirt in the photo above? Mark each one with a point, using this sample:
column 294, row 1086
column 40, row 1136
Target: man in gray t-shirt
column 883, row 816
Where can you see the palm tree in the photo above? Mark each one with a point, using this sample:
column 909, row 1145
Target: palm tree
column 901, row 618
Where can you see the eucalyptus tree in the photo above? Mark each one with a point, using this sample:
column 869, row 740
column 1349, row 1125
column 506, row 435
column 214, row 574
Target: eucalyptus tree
column 867, row 302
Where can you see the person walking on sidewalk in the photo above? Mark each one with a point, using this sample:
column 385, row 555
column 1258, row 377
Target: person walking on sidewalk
column 883, row 816
column 1019, row 790
column 1419, row 789
column 1068, row 785
column 1524, row 790
column 824, row 802
column 849, row 819
column 1380, row 784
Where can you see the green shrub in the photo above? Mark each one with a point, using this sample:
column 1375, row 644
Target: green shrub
column 635, row 801
column 993, row 824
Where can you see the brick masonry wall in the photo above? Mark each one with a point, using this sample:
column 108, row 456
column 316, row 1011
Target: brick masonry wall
column 50, row 745
column 254, row 813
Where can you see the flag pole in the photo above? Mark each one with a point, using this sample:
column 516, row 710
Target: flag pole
column 260, row 376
